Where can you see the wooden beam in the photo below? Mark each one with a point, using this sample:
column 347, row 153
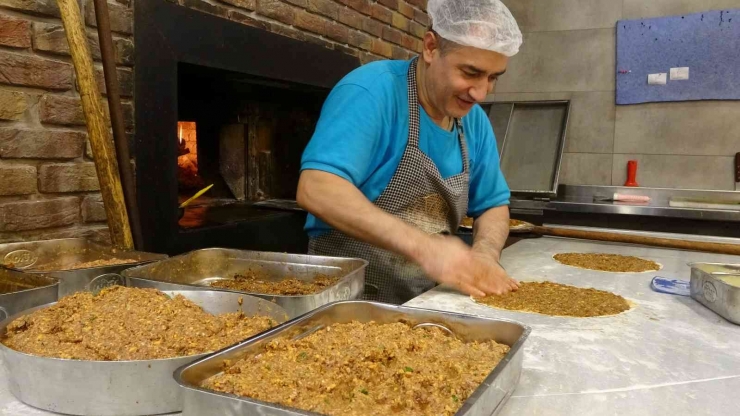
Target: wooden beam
column 116, row 118
column 102, row 146
column 707, row 247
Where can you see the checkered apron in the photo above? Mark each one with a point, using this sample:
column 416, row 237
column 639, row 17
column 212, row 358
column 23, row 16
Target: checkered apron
column 418, row 195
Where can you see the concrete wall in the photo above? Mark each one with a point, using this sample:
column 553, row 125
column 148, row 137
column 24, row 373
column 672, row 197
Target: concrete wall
column 569, row 52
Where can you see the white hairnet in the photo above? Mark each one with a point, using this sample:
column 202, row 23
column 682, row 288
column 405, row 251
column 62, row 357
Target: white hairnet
column 483, row 24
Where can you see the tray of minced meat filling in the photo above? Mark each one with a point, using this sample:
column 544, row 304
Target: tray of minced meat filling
column 299, row 283
column 362, row 358
column 99, row 353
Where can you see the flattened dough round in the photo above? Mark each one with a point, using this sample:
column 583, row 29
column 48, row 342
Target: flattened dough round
column 554, row 299
column 607, row 262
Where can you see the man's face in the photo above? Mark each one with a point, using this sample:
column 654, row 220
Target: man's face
column 461, row 76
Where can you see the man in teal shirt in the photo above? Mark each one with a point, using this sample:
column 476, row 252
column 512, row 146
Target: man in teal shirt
column 402, row 152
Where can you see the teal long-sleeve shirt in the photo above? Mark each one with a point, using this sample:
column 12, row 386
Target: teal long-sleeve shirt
column 363, row 131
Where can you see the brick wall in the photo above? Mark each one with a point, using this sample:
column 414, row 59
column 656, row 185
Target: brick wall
column 48, row 186
column 370, row 30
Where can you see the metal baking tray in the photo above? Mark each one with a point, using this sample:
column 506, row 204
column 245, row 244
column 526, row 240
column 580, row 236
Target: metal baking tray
column 102, row 388
column 21, row 291
column 487, row 399
column 197, row 269
column 57, row 257
column 708, row 288
column 531, row 137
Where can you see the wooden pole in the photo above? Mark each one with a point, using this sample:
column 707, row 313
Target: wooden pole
column 102, row 147
column 721, row 248
column 116, row 119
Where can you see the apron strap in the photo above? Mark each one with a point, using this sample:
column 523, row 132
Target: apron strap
column 463, row 145
column 413, row 105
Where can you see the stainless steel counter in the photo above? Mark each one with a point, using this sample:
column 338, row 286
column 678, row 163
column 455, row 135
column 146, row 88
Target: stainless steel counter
column 580, row 199
column 669, row 355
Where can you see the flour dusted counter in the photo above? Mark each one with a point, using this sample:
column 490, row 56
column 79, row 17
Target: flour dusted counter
column 668, row 355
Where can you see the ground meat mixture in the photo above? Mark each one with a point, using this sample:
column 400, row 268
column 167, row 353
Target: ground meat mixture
column 560, row 300
column 101, row 263
column 607, row 262
column 127, row 324
column 253, row 282
column 364, row 369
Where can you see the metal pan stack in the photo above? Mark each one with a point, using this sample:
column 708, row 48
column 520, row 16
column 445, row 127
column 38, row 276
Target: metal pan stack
column 61, row 259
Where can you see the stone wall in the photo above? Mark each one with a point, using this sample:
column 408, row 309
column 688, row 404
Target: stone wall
column 48, row 185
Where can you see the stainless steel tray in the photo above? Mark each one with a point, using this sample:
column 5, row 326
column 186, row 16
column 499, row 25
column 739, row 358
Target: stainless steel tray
column 708, row 289
column 102, row 388
column 487, row 400
column 21, row 291
column 533, row 137
column 57, row 257
column 197, row 269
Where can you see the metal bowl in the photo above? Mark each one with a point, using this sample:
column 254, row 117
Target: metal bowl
column 123, row 388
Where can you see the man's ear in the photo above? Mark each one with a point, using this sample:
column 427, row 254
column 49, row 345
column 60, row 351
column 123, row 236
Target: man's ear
column 430, row 46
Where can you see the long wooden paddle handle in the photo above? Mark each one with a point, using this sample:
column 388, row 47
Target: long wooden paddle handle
column 108, row 54
column 721, row 248
column 102, row 146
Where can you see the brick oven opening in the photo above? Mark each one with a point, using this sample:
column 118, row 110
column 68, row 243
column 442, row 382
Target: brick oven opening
column 188, row 179
column 248, row 101
column 243, row 134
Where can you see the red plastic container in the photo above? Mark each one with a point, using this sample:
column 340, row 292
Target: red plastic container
column 631, row 173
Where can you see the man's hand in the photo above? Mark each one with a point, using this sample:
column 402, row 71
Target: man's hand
column 492, row 260
column 444, row 259
column 449, row 261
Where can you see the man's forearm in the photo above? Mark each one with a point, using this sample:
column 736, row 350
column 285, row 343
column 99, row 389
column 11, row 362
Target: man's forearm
column 345, row 208
column 444, row 259
column 491, row 230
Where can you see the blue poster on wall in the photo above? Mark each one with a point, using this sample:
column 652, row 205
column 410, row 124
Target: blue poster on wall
column 679, row 58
